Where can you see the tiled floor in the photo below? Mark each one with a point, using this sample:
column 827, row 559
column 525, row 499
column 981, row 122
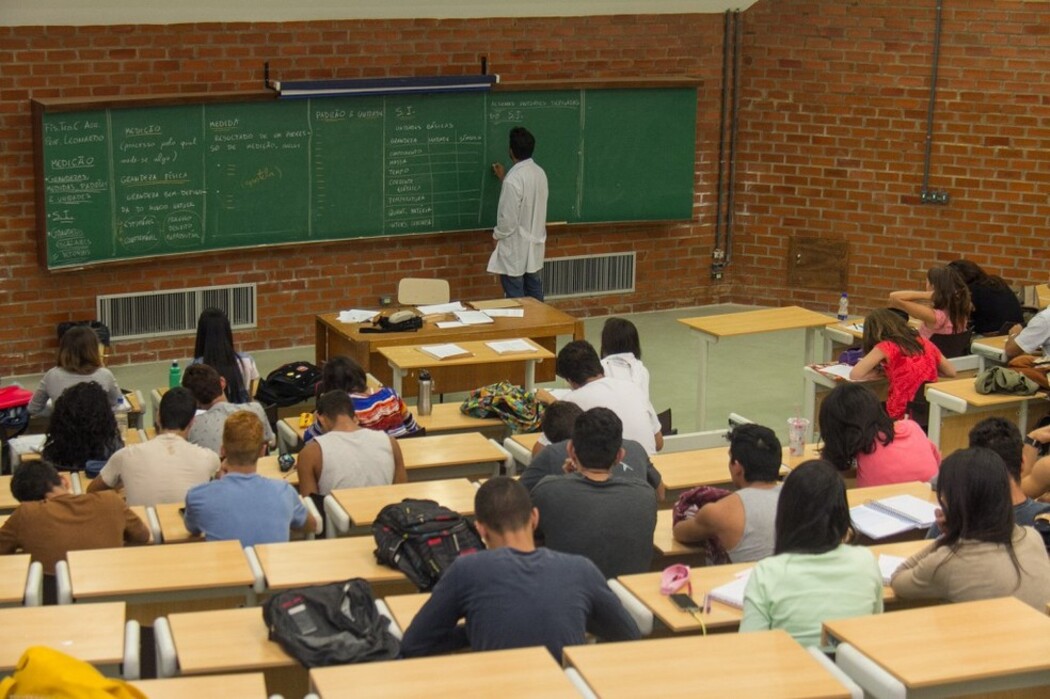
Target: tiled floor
column 758, row 377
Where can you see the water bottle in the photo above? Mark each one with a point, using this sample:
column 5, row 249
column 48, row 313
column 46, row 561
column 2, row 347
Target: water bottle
column 174, row 375
column 843, row 307
column 426, row 387
column 121, row 413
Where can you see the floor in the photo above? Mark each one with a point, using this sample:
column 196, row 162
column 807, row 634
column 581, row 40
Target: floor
column 758, row 377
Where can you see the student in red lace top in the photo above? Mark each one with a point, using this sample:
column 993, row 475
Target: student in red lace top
column 907, row 360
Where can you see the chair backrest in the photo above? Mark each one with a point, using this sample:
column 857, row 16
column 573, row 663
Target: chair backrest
column 957, row 345
column 413, row 291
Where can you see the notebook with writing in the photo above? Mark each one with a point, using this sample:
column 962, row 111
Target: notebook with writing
column 879, row 519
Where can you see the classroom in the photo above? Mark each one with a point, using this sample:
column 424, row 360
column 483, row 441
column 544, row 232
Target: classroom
column 838, row 148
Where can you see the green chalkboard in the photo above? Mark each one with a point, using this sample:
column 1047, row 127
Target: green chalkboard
column 126, row 182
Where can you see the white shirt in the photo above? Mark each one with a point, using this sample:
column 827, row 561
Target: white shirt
column 628, row 402
column 521, row 221
column 1036, row 334
column 627, row 367
column 160, row 470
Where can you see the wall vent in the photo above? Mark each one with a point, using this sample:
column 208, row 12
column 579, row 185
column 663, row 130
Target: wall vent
column 156, row 313
column 589, row 275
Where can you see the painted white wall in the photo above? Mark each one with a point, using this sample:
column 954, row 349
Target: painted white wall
column 15, row 13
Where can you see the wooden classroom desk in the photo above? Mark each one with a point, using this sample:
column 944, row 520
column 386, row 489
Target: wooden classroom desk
column 143, row 513
column 7, row 500
column 711, row 329
column 91, row 632
column 527, row 440
column 817, row 384
column 172, row 526
column 206, row 569
column 953, row 649
column 425, row 457
column 267, row 466
column 363, row 504
column 249, row 685
column 859, row 496
column 522, row 673
column 687, row 469
column 767, row 664
column 664, row 542
column 405, row 607
column 646, row 588
column 404, row 359
column 956, row 406
column 299, row 563
column 989, row 351
column 14, row 571
column 541, row 323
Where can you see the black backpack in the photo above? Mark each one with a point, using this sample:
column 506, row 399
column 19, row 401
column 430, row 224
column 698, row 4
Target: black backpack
column 330, row 624
column 289, row 384
column 422, row 538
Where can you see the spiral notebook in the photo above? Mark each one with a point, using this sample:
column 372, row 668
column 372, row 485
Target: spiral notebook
column 879, row 519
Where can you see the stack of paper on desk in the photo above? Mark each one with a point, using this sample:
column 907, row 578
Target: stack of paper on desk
column 510, row 346
column 895, row 515
column 445, row 351
column 732, row 593
column 472, row 317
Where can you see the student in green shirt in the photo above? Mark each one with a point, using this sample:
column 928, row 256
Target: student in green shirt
column 813, row 575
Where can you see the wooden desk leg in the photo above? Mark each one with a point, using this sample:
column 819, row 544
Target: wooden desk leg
column 530, row 375
column 809, row 404
column 320, row 342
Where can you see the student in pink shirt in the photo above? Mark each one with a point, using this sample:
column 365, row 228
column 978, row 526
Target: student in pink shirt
column 858, row 432
column 944, row 308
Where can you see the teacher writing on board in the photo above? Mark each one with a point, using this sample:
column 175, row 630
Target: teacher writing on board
column 521, row 228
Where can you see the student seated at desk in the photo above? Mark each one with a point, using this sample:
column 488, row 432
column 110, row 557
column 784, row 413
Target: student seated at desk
column 347, row 455
column 214, row 347
column 380, row 409
column 578, row 364
column 622, row 353
column 51, row 520
column 743, row 521
column 551, row 460
column 981, row 552
column 1035, row 465
column 207, row 388
column 83, row 433
column 943, row 308
column 79, row 361
column 1029, row 344
column 995, row 305
column 908, row 361
column 242, row 504
column 858, row 432
column 1003, row 437
column 514, row 595
column 162, row 469
column 813, row 574
column 609, row 519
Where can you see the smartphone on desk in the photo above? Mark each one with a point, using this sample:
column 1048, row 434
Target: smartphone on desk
column 684, row 602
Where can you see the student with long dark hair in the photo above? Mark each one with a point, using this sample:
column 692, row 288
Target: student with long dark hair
column 995, row 305
column 813, row 575
column 83, row 430
column 981, row 553
column 621, row 353
column 908, row 360
column 214, row 347
column 857, row 432
column 943, row 308
column 79, row 361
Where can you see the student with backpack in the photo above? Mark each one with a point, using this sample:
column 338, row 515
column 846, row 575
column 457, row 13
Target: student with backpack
column 514, row 595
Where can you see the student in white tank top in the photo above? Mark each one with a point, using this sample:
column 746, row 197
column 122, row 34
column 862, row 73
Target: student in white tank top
column 347, row 455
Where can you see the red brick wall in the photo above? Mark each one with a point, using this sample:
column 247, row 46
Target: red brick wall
column 833, row 133
column 296, row 284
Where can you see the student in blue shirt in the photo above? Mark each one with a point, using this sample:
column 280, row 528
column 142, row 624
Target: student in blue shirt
column 244, row 505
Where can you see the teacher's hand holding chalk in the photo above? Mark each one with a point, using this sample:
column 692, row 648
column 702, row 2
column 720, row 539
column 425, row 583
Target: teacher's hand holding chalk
column 498, row 171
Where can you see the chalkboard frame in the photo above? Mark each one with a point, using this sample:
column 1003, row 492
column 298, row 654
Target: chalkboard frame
column 45, row 106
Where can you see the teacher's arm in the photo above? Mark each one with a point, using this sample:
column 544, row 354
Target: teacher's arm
column 499, row 171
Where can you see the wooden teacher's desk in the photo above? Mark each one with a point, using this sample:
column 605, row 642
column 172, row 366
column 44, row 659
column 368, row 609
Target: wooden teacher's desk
column 767, row 664
column 541, row 323
column 407, row 359
column 966, row 648
column 522, row 673
column 711, row 329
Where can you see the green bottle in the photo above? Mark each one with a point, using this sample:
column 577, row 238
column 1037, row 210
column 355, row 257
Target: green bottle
column 174, row 375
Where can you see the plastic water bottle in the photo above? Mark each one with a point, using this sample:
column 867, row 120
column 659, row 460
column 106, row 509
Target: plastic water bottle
column 426, row 387
column 121, row 414
column 174, row 375
column 843, row 307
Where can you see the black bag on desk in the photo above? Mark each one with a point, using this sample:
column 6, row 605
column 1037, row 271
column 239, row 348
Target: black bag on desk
column 330, row 624
column 422, row 538
column 289, row 384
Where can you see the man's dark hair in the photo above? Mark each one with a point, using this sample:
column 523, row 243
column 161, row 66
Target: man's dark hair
column 203, row 382
column 597, row 437
column 558, row 419
column 334, row 403
column 1002, row 437
column 522, row 143
column 578, row 362
column 502, row 504
column 177, row 408
column 758, row 450
column 33, row 480
column 344, row 374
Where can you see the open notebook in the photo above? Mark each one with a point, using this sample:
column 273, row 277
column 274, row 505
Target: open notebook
column 879, row 519
column 732, row 593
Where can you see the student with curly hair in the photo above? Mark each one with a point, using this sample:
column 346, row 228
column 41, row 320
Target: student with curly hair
column 79, row 360
column 83, row 431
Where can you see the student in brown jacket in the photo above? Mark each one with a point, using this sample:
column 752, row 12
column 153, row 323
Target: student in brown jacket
column 51, row 520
